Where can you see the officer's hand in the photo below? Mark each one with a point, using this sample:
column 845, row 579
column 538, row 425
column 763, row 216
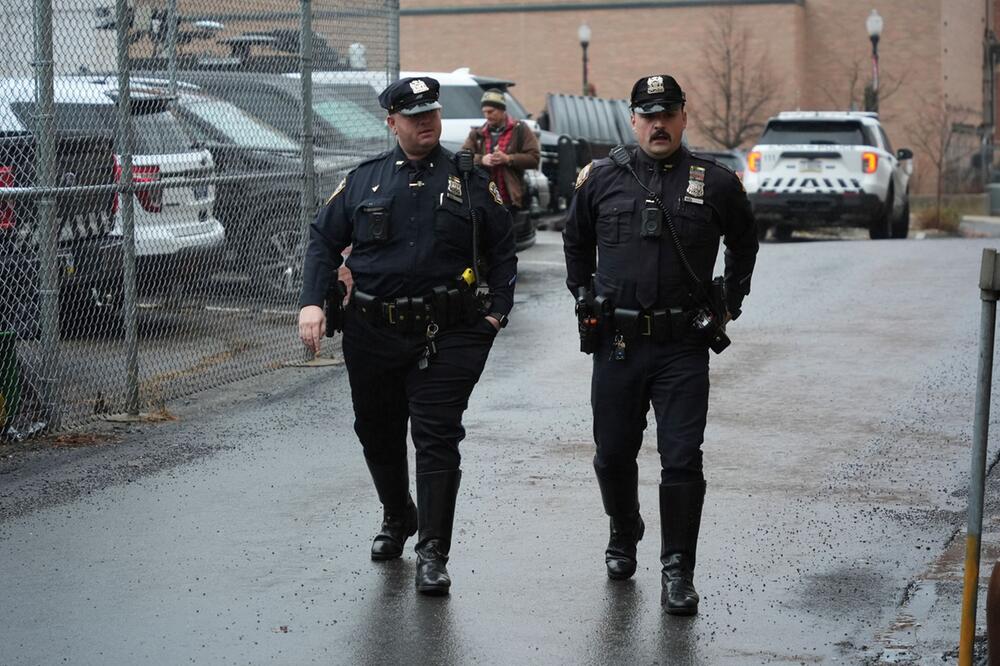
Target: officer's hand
column 493, row 320
column 344, row 275
column 312, row 326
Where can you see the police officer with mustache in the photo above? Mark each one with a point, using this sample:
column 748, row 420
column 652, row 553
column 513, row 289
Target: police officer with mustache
column 645, row 308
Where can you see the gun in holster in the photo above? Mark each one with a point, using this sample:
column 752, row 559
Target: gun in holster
column 710, row 318
column 333, row 307
column 587, row 320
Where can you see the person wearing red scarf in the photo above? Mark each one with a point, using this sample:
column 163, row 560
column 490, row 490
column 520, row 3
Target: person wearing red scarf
column 506, row 147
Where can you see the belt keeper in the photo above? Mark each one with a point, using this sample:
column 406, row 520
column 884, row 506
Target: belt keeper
column 647, row 327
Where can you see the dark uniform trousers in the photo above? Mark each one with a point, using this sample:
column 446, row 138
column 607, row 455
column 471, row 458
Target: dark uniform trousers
column 388, row 388
column 673, row 377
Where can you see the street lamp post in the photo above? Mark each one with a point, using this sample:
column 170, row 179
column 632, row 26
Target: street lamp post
column 874, row 24
column 584, row 34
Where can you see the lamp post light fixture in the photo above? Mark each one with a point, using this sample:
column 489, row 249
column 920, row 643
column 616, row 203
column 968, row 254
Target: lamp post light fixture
column 874, row 25
column 584, row 35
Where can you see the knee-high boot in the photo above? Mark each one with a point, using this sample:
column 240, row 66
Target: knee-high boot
column 399, row 514
column 620, row 495
column 680, row 521
column 436, row 494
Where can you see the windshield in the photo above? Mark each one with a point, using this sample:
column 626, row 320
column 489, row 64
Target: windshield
column 349, row 118
column 240, row 127
column 156, row 133
column 459, row 102
column 786, row 132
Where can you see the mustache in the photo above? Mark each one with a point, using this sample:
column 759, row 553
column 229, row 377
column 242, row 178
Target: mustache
column 660, row 134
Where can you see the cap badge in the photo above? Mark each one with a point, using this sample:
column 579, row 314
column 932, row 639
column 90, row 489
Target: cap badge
column 454, row 189
column 654, row 84
column 418, row 86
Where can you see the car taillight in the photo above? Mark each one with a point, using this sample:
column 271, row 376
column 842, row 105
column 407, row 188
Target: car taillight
column 869, row 162
column 118, row 176
column 6, row 207
column 753, row 162
column 151, row 199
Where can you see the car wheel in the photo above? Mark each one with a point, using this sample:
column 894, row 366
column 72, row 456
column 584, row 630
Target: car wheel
column 782, row 232
column 94, row 311
column 278, row 264
column 901, row 227
column 881, row 225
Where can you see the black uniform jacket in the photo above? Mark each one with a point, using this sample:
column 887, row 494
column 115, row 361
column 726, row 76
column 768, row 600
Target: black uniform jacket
column 601, row 236
column 427, row 233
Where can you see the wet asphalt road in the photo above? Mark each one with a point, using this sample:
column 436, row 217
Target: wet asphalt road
column 837, row 461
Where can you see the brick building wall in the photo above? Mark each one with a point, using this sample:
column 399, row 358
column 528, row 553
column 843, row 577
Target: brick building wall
column 817, row 51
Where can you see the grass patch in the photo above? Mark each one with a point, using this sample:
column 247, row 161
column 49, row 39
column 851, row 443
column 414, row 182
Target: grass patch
column 946, row 219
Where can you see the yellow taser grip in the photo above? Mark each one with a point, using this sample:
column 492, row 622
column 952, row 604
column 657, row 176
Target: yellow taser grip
column 469, row 277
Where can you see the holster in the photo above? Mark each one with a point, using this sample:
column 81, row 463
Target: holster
column 333, row 307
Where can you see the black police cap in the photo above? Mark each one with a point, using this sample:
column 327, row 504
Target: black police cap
column 410, row 96
column 653, row 94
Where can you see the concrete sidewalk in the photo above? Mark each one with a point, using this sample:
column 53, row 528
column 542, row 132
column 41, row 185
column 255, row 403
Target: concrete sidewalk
column 979, row 226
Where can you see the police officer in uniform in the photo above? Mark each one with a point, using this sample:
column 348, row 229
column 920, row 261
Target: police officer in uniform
column 416, row 332
column 649, row 347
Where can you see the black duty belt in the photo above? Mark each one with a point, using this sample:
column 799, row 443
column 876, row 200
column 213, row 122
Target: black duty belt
column 659, row 325
column 445, row 306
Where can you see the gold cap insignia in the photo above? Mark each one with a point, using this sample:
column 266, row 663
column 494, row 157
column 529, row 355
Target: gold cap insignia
column 654, row 84
column 418, row 86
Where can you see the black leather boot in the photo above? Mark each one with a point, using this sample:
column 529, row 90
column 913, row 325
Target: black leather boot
column 680, row 520
column 399, row 513
column 620, row 494
column 436, row 494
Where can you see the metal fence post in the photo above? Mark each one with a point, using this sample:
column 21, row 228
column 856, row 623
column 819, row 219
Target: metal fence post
column 308, row 169
column 989, row 285
column 125, row 148
column 48, row 236
column 392, row 56
column 172, row 45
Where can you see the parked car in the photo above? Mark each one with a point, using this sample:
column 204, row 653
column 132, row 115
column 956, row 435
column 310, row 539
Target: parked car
column 732, row 159
column 89, row 258
column 826, row 168
column 175, row 228
column 262, row 217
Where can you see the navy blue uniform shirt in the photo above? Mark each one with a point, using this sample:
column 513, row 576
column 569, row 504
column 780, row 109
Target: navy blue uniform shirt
column 428, row 234
column 707, row 202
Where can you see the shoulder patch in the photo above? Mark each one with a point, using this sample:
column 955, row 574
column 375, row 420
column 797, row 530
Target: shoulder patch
column 340, row 188
column 584, row 174
column 495, row 191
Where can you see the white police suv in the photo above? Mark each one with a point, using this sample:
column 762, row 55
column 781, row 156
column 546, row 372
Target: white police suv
column 828, row 168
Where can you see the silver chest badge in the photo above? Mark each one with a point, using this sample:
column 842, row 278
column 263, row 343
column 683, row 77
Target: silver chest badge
column 454, row 189
column 696, row 185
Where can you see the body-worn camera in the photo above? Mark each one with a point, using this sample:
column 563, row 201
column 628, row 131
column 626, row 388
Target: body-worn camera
column 651, row 224
column 378, row 222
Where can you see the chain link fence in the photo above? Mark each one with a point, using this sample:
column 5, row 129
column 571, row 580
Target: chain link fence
column 160, row 161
